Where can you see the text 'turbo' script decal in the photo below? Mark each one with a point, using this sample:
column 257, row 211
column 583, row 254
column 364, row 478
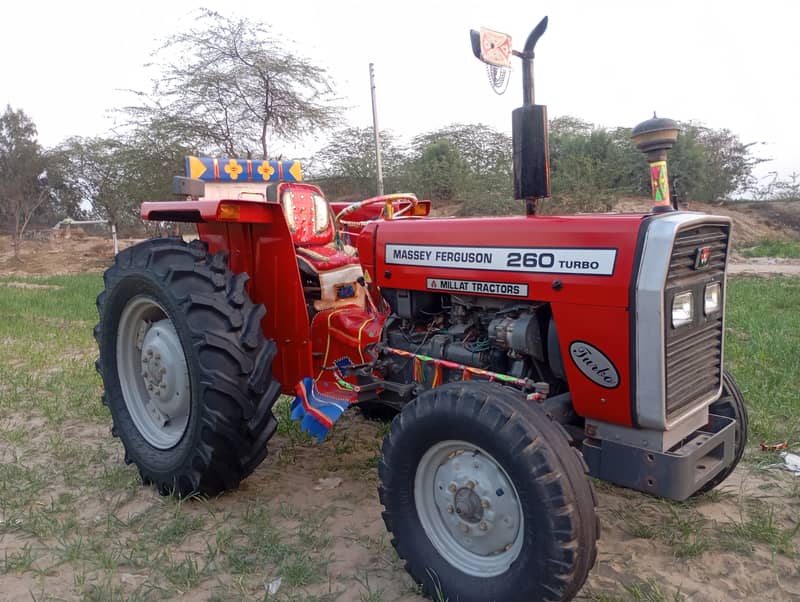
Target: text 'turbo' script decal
column 594, row 364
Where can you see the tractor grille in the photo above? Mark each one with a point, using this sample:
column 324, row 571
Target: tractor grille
column 694, row 352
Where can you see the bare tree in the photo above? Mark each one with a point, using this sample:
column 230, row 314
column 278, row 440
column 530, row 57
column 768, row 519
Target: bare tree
column 229, row 85
column 23, row 177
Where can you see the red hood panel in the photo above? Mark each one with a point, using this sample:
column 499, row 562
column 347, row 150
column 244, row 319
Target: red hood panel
column 583, row 259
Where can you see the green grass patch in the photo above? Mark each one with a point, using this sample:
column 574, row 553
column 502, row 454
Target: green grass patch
column 762, row 351
column 47, row 350
column 774, row 248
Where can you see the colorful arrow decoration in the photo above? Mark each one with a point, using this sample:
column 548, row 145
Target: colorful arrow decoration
column 224, row 169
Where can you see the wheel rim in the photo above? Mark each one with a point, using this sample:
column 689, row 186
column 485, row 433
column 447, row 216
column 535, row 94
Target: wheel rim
column 153, row 373
column 469, row 508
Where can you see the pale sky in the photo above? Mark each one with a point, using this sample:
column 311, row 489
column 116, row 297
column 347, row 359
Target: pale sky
column 727, row 64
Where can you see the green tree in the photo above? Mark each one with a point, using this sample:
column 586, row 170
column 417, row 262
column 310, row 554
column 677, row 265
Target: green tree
column 593, row 166
column 589, row 166
column 471, row 163
column 440, row 171
column 23, row 187
column 228, row 85
column 346, row 166
column 486, row 151
column 115, row 175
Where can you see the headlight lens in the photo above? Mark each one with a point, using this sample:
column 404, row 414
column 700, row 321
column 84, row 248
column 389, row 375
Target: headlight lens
column 712, row 298
column 681, row 309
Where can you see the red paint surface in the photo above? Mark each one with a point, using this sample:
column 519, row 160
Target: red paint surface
column 594, row 309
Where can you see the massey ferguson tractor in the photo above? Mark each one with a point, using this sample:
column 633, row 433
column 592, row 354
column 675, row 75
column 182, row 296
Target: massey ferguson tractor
column 518, row 355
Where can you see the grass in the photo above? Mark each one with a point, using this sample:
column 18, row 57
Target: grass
column 761, row 351
column 69, row 505
column 774, row 248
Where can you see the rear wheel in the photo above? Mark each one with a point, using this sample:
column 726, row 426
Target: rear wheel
column 485, row 497
column 731, row 405
column 186, row 368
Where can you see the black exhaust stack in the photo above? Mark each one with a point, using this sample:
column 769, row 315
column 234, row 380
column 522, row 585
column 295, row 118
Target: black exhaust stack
column 529, row 134
column 531, row 154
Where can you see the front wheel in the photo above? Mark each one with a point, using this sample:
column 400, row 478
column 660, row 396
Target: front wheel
column 485, row 497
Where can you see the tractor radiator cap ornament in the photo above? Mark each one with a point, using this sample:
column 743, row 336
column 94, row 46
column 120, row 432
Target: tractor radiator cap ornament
column 654, row 138
column 657, row 133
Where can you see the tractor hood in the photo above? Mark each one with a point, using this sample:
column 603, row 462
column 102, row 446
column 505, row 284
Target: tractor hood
column 582, row 259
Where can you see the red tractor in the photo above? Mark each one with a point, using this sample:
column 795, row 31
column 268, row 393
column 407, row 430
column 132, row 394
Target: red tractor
column 518, row 355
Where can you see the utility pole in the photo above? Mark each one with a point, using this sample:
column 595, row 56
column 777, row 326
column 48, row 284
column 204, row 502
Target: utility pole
column 376, row 130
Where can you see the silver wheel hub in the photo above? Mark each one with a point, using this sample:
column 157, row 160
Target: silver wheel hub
column 153, row 374
column 469, row 508
column 164, row 371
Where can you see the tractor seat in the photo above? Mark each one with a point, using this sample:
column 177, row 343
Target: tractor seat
column 311, row 224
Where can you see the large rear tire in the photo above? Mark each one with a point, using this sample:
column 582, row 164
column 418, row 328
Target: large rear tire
column 731, row 405
column 186, row 367
column 485, row 497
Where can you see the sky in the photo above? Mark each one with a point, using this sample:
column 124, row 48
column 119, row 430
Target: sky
column 727, row 64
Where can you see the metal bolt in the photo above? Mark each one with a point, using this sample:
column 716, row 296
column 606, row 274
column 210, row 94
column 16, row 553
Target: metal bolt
column 452, row 487
column 484, row 503
column 471, row 484
column 450, row 508
column 483, row 525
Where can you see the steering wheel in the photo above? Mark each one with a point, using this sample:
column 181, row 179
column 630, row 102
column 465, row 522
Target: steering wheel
column 388, row 209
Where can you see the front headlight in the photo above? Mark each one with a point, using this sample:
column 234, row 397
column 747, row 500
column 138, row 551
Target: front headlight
column 712, row 296
column 682, row 309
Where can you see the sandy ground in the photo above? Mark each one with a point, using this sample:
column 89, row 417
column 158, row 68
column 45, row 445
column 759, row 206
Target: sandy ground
column 343, row 485
column 764, row 266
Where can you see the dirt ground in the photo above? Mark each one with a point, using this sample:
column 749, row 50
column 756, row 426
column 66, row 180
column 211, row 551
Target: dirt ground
column 631, row 549
column 641, row 543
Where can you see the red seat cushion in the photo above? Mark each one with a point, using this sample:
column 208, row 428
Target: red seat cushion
column 325, row 257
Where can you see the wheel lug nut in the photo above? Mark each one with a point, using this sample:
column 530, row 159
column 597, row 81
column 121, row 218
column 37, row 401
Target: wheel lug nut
column 450, row 509
column 484, row 503
column 483, row 525
column 471, row 484
column 452, row 487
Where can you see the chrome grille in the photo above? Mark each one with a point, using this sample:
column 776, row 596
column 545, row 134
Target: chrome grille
column 693, row 353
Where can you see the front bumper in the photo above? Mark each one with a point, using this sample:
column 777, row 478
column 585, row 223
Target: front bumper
column 675, row 474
